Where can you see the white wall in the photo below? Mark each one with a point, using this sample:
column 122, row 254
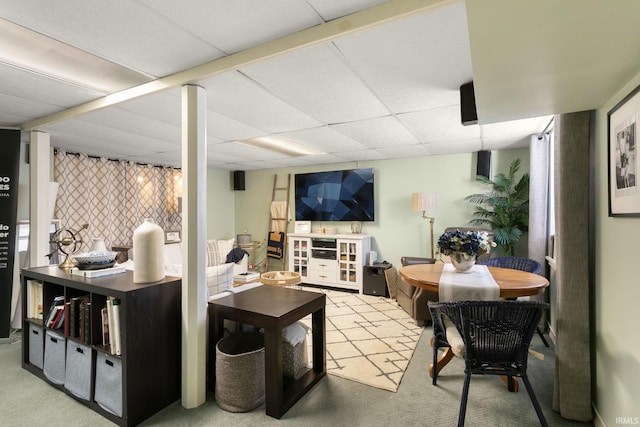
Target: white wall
column 617, row 293
column 397, row 231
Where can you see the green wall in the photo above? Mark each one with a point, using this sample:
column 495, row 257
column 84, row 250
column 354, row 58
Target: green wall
column 220, row 205
column 617, row 292
column 397, row 231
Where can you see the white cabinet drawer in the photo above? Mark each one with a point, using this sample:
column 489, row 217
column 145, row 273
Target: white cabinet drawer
column 324, row 265
column 322, row 275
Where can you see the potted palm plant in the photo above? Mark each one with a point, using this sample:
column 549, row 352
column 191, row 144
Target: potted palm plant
column 505, row 208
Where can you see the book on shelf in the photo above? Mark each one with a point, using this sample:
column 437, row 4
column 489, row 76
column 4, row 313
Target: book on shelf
column 87, row 322
column 82, row 325
column 67, row 318
column 34, row 299
column 113, row 320
column 112, row 347
column 74, row 315
column 54, row 311
column 116, row 326
column 104, row 315
column 58, row 319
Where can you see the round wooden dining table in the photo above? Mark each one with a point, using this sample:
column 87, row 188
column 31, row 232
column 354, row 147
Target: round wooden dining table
column 513, row 283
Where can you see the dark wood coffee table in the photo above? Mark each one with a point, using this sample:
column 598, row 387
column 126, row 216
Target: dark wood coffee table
column 273, row 308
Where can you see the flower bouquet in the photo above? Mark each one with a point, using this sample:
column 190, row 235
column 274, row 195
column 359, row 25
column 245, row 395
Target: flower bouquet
column 465, row 246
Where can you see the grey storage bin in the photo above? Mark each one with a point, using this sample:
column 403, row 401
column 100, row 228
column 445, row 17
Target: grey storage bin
column 240, row 372
column 78, row 373
column 295, row 359
column 36, row 345
column 54, row 357
column 108, row 393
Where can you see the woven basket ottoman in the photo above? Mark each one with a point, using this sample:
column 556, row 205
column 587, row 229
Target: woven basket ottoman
column 240, row 372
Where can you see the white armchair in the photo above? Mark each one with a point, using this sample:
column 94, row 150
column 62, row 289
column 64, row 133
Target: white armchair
column 219, row 273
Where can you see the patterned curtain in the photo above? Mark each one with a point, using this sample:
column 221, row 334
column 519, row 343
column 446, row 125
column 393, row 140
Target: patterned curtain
column 114, row 196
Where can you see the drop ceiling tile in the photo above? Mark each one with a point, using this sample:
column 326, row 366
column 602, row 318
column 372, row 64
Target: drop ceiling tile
column 439, row 125
column 135, row 124
column 379, row 132
column 19, row 110
column 37, row 88
column 332, row 9
column 324, row 139
column 237, row 97
column 457, row 147
column 165, row 106
column 415, row 63
column 245, row 152
column 124, row 32
column 321, row 159
column 9, row 120
column 227, row 129
column 362, row 155
column 218, row 157
column 99, row 135
column 318, row 82
column 418, row 150
column 253, row 23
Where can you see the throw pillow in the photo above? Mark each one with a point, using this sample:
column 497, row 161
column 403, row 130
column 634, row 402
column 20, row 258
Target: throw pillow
column 294, row 334
column 224, row 247
column 219, row 278
column 213, row 254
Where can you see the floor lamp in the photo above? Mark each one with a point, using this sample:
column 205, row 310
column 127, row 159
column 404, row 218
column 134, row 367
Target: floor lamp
column 425, row 202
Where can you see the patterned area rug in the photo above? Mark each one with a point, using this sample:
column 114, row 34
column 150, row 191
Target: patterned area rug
column 370, row 339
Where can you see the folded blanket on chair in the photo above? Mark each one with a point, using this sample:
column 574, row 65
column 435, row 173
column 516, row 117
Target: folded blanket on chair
column 236, row 255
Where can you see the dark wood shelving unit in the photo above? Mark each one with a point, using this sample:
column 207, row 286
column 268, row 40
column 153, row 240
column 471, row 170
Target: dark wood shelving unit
column 150, row 325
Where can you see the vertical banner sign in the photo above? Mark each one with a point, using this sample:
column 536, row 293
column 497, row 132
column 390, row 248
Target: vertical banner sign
column 9, row 170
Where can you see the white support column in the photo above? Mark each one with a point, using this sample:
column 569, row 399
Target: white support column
column 39, row 198
column 194, row 191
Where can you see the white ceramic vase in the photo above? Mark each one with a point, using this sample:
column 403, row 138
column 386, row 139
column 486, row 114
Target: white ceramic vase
column 97, row 245
column 148, row 259
column 462, row 264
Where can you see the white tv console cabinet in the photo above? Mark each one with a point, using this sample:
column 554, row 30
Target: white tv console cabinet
column 334, row 260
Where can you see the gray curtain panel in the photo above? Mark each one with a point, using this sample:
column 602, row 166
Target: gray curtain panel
column 572, row 386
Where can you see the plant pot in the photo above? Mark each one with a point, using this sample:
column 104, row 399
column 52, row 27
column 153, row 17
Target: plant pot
column 462, row 264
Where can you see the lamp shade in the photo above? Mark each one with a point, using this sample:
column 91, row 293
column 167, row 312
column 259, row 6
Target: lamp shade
column 424, row 202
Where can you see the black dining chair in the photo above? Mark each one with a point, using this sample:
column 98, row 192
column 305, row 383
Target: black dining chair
column 496, row 336
column 522, row 264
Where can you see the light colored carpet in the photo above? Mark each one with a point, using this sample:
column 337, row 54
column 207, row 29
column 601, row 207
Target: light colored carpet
column 370, row 339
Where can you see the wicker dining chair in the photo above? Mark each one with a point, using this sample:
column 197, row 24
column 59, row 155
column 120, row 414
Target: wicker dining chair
column 496, row 336
column 522, row 264
column 514, row 263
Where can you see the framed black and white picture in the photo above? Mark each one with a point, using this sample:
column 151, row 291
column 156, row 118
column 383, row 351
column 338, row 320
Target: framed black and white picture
column 171, row 236
column 622, row 125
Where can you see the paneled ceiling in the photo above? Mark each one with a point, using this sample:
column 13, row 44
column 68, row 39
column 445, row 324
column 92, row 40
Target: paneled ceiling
column 356, row 79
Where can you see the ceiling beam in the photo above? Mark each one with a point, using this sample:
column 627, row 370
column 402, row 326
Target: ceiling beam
column 374, row 16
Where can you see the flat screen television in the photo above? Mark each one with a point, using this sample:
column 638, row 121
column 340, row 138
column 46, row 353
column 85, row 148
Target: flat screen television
column 344, row 195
